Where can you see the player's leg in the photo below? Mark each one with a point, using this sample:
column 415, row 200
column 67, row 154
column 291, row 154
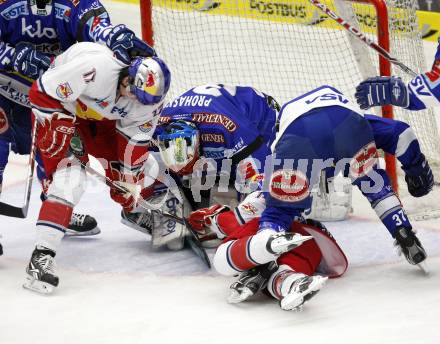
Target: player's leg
column 375, row 185
column 6, row 134
column 294, row 282
column 389, row 209
column 6, row 139
column 64, row 193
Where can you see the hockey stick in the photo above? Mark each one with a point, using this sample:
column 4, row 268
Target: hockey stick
column 361, row 36
column 191, row 239
column 21, row 212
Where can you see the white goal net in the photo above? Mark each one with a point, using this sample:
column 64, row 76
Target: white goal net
column 284, row 48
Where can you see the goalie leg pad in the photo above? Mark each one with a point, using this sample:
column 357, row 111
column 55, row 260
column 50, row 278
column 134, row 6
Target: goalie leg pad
column 168, row 231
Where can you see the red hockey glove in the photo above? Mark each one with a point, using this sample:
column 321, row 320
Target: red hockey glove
column 55, row 136
column 202, row 218
column 130, row 191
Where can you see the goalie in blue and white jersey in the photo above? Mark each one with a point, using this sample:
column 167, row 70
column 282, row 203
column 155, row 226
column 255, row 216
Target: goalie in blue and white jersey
column 218, row 122
column 323, row 131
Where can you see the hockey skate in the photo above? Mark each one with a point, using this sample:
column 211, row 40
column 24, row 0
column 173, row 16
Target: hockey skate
column 40, row 271
column 1, row 249
column 408, row 243
column 283, row 242
column 82, row 225
column 142, row 222
column 250, row 282
column 301, row 291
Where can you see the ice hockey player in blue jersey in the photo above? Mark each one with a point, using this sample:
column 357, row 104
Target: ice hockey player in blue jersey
column 32, row 33
column 421, row 92
column 218, row 122
column 322, row 131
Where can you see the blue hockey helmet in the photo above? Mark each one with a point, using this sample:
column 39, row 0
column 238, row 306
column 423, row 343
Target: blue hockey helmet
column 179, row 146
column 150, row 79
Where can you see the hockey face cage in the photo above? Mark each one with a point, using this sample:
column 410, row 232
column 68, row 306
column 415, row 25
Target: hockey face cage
column 179, row 146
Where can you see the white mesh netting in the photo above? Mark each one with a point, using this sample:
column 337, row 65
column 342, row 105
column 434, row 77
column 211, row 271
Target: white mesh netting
column 285, row 48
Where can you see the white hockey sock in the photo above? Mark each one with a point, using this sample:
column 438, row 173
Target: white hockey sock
column 281, row 280
column 48, row 237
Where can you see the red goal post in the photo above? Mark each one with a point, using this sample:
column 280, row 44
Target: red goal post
column 186, row 33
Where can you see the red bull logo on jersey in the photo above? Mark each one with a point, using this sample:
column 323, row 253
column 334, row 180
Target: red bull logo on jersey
column 364, row 161
column 4, row 124
column 289, row 186
column 64, row 90
column 249, row 209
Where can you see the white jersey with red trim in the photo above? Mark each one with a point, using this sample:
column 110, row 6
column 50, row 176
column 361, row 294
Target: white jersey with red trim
column 84, row 79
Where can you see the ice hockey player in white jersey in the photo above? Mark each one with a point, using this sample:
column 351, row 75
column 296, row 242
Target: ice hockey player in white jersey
column 110, row 110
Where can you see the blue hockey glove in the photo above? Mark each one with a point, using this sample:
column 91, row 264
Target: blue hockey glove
column 126, row 45
column 419, row 178
column 29, row 62
column 382, row 90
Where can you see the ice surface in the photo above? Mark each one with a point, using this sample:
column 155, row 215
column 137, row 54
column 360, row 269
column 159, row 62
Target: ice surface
column 116, row 289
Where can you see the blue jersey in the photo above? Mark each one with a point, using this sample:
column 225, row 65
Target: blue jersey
column 50, row 31
column 323, row 129
column 229, row 118
column 424, row 89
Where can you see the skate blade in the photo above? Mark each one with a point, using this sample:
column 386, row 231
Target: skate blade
column 424, row 267
column 38, row 286
column 236, row 297
column 294, row 302
column 138, row 228
column 298, row 240
column 73, row 233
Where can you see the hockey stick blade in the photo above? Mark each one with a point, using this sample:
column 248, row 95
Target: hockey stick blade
column 12, row 211
column 21, row 212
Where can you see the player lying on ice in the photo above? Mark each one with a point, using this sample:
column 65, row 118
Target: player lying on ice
column 323, row 131
column 113, row 108
column 269, row 260
column 31, row 34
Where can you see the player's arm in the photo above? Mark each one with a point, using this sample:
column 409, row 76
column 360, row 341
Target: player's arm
column 62, row 83
column 92, row 24
column 398, row 139
column 421, row 92
column 133, row 139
